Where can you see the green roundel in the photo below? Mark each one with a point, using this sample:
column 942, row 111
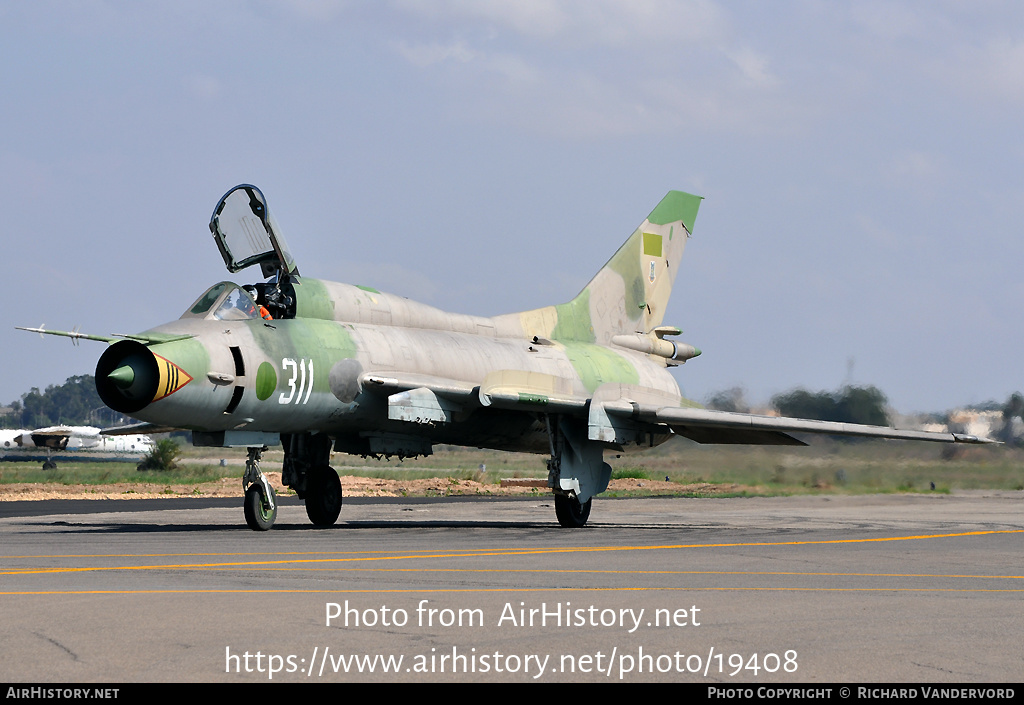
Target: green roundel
column 266, row 381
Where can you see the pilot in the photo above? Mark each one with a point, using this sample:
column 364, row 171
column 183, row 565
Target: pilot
column 247, row 307
column 264, row 313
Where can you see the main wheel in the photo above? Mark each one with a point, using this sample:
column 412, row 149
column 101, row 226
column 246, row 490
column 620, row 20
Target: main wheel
column 323, row 496
column 571, row 514
column 258, row 515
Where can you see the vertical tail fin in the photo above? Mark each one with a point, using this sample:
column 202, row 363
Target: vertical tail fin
column 631, row 291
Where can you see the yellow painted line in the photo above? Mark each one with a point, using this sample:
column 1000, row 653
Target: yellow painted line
column 488, row 551
column 433, row 591
column 494, row 553
column 484, row 551
column 221, row 553
column 570, row 571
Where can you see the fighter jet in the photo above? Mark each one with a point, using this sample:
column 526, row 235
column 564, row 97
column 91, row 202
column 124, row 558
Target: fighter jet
column 317, row 366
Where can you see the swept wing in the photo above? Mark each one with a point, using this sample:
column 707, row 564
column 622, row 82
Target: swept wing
column 623, row 408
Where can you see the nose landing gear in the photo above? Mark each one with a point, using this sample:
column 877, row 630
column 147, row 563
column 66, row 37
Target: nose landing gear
column 260, row 501
column 306, row 470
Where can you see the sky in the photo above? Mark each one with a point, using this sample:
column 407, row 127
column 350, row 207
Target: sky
column 861, row 162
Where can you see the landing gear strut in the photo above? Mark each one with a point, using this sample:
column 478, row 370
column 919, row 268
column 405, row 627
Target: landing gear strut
column 576, row 470
column 307, row 470
column 260, row 500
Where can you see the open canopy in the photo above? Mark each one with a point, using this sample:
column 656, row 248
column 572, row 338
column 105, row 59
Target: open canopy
column 247, row 234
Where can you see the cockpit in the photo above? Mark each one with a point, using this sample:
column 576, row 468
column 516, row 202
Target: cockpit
column 225, row 301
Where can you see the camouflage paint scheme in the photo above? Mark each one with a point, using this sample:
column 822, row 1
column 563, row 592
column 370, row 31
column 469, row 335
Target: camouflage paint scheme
column 390, row 336
column 372, row 373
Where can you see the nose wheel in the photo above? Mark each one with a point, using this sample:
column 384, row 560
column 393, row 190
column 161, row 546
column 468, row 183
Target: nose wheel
column 260, row 515
column 260, row 505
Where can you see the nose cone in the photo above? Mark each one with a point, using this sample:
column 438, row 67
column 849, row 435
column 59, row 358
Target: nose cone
column 123, row 377
column 130, row 377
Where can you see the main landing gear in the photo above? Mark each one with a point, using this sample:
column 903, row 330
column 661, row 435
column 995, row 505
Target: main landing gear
column 576, row 470
column 323, row 495
column 306, row 470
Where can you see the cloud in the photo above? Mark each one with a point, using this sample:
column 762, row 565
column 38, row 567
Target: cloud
column 955, row 49
column 1000, row 69
column 580, row 22
column 586, row 70
column 424, row 55
column 889, row 21
column 530, row 17
column 754, row 67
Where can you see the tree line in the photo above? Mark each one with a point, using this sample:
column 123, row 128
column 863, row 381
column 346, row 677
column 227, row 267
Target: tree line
column 74, row 403
column 855, row 404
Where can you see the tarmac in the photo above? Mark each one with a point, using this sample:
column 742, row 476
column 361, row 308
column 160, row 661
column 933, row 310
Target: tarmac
column 819, row 589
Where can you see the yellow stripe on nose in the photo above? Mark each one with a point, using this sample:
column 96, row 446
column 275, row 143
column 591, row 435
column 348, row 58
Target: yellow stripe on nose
column 172, row 378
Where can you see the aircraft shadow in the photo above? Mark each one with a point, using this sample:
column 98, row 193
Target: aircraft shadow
column 65, row 527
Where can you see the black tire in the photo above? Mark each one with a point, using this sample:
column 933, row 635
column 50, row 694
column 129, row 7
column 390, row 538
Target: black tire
column 258, row 516
column 49, row 465
column 323, row 496
column 571, row 514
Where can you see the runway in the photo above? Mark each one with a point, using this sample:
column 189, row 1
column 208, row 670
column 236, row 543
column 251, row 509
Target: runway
column 884, row 588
